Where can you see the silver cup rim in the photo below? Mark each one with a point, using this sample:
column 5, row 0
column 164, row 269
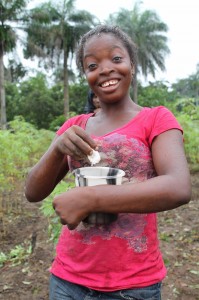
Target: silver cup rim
column 120, row 174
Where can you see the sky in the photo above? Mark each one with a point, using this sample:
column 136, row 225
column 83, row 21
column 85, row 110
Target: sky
column 182, row 19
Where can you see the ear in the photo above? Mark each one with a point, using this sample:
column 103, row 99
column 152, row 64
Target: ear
column 132, row 69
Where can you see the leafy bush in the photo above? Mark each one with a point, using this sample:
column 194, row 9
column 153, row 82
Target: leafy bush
column 155, row 94
column 58, row 121
column 187, row 113
column 20, row 147
column 55, row 226
column 191, row 139
column 188, row 107
column 17, row 255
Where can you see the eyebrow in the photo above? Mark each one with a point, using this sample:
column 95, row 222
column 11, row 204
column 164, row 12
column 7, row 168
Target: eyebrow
column 112, row 48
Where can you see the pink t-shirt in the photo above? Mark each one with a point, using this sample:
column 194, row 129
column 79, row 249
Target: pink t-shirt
column 124, row 254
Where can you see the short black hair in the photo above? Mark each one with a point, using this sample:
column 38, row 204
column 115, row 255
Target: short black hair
column 108, row 29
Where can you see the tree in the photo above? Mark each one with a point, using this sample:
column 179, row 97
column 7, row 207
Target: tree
column 188, row 87
column 36, row 102
column 156, row 93
column 148, row 32
column 14, row 71
column 52, row 35
column 12, row 100
column 78, row 95
column 10, row 15
column 41, row 104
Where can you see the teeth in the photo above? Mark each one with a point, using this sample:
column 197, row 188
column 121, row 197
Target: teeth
column 111, row 82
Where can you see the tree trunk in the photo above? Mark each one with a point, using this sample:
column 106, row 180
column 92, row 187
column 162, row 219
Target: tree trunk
column 2, row 91
column 66, row 95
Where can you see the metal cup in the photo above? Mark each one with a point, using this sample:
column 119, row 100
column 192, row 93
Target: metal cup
column 90, row 176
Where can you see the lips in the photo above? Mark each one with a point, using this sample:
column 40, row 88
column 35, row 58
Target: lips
column 109, row 83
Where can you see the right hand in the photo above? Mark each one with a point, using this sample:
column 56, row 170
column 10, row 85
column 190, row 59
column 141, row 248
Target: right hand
column 75, row 142
column 73, row 206
column 78, row 204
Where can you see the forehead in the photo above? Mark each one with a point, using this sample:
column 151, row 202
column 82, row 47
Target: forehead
column 103, row 41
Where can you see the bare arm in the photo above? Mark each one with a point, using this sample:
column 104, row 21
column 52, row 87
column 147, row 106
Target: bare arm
column 170, row 189
column 53, row 166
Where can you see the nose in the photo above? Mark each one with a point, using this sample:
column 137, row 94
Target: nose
column 106, row 68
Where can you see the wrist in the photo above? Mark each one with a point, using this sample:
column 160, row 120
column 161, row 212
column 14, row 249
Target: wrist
column 55, row 150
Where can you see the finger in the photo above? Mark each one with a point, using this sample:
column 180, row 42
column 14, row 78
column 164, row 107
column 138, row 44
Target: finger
column 63, row 222
column 83, row 140
column 72, row 226
column 72, row 150
column 67, row 146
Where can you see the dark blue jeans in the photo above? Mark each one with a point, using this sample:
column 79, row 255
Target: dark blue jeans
column 63, row 290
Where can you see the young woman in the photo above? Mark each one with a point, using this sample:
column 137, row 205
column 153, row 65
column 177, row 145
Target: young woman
column 120, row 260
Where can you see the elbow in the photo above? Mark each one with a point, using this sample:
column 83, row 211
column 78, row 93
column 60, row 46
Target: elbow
column 30, row 198
column 179, row 191
column 183, row 196
column 36, row 194
column 187, row 196
column 184, row 199
column 30, row 195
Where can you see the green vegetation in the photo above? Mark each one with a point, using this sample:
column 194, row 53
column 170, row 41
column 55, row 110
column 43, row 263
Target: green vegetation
column 186, row 111
column 20, row 147
column 52, row 33
column 11, row 13
column 17, row 255
column 41, row 104
column 191, row 140
column 48, row 211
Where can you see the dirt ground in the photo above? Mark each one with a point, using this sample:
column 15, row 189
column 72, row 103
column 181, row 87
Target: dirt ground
column 179, row 241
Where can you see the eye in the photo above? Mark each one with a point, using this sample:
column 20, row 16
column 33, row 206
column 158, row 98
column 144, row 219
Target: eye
column 117, row 59
column 92, row 66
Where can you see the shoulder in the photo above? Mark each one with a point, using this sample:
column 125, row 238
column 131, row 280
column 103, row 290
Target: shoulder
column 79, row 120
column 158, row 113
column 155, row 110
column 161, row 119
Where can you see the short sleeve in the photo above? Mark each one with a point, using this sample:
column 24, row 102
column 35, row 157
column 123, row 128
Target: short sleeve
column 163, row 120
column 79, row 120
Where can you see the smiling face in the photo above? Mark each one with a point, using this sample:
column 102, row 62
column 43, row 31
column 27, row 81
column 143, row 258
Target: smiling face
column 107, row 67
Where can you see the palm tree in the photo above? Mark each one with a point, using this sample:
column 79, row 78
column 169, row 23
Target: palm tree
column 52, row 35
column 10, row 15
column 148, row 32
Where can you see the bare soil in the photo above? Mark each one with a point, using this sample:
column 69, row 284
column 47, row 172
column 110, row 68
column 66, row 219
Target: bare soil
column 28, row 280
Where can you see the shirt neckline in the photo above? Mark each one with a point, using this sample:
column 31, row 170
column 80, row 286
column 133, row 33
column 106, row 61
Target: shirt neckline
column 117, row 129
